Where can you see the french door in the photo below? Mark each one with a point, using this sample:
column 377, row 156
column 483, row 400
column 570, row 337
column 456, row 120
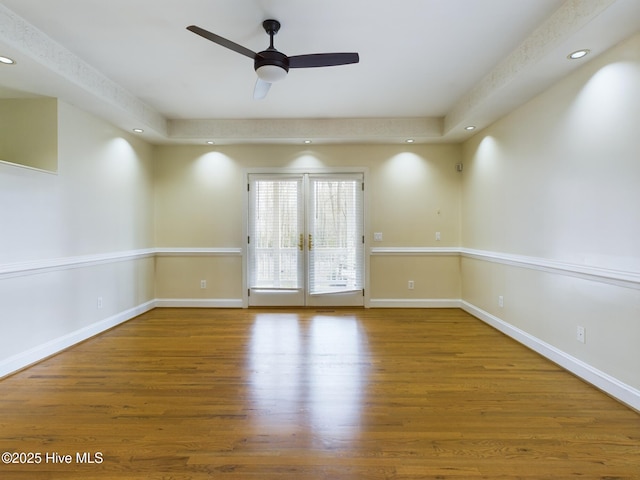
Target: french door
column 306, row 243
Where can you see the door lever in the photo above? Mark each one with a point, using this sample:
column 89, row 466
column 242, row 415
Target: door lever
column 310, row 242
column 301, row 242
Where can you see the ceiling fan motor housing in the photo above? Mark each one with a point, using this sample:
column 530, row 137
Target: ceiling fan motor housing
column 271, row 65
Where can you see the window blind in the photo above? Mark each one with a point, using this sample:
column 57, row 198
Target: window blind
column 336, row 250
column 274, row 232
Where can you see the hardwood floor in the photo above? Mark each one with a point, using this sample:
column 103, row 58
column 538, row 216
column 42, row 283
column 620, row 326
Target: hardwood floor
column 310, row 394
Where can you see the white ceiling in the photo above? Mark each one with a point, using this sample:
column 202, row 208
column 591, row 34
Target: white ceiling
column 427, row 67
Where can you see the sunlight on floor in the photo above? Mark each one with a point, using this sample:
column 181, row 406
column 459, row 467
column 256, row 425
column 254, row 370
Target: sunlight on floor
column 309, row 374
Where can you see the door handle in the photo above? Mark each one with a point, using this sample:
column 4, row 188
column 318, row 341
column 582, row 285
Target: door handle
column 301, row 242
column 310, row 242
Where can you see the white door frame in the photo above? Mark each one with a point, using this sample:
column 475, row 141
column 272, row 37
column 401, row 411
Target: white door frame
column 364, row 171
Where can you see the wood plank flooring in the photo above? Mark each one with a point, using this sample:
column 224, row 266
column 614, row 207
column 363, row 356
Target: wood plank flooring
column 310, row 394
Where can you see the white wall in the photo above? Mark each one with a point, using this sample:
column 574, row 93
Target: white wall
column 551, row 220
column 68, row 238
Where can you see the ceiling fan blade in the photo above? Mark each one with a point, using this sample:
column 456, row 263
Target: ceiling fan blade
column 222, row 41
column 323, row 60
column 261, row 89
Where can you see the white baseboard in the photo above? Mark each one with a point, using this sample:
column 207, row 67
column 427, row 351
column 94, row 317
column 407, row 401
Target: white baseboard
column 414, row 303
column 612, row 386
column 40, row 352
column 199, row 302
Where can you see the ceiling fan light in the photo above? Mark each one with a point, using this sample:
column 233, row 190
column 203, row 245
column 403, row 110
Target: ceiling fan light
column 271, row 73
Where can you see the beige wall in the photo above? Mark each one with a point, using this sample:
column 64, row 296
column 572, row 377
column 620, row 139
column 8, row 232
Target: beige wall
column 550, row 198
column 178, row 278
column 436, row 279
column 29, row 132
column 412, row 192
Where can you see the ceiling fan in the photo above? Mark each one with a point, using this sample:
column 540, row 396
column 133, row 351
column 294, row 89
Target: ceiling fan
column 272, row 65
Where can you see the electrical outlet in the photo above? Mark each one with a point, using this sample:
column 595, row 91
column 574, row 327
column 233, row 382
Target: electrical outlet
column 411, row 285
column 377, row 236
column 501, row 301
column 581, row 334
column 203, row 284
column 99, row 302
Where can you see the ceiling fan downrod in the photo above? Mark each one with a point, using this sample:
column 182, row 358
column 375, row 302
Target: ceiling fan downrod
column 271, row 27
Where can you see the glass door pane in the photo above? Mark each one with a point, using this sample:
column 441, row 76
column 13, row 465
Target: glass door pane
column 335, row 237
column 276, row 222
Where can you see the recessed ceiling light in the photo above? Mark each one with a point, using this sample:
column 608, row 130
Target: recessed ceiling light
column 307, row 142
column 138, row 130
column 578, row 54
column 7, row 60
column 470, row 127
column 211, row 142
column 410, row 140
